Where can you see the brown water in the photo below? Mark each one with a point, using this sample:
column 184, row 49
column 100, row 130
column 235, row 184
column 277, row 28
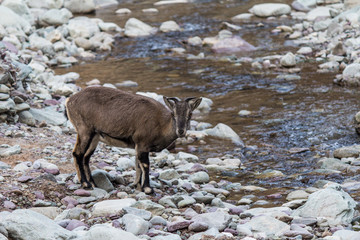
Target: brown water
column 310, row 112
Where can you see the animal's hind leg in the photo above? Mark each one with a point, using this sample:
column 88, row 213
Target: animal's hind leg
column 82, row 144
column 87, row 156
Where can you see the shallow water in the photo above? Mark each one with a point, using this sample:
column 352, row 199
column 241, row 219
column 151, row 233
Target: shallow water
column 309, row 113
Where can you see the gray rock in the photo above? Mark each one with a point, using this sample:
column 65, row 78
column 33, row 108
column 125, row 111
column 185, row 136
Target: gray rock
column 334, row 164
column 157, row 220
column 26, row 224
column 42, row 44
column 135, row 224
column 101, row 180
column 73, row 213
column 20, row 8
column 200, row 177
column 288, row 60
column 225, row 132
column 9, row 151
column 125, row 163
column 198, row 227
column 169, row 174
column 331, row 203
column 49, row 115
column 50, row 212
column 305, row 50
column 137, row 28
column 56, row 17
column 154, row 208
column 321, row 25
column 298, row 194
column 4, row 89
column 177, row 225
column 84, row 6
column 4, row 165
column 218, row 219
column 109, row 207
column 270, row 9
column 105, row 3
column 7, row 105
column 303, row 5
column 187, row 157
column 104, row 231
column 27, row 118
column 187, row 201
column 270, row 225
column 146, row 215
column 275, row 212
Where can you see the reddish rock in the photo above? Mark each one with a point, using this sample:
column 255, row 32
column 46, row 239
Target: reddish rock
column 174, row 226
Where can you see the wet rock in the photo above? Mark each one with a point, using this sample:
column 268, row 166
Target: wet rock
column 169, row 26
column 84, row 6
column 288, row 60
column 137, row 28
column 56, row 17
column 269, row 225
column 49, row 115
column 200, row 177
column 6, row 151
column 27, row 224
column 218, row 219
column 104, row 231
column 270, row 9
column 154, row 208
column 225, row 132
column 135, row 224
column 101, row 180
column 109, row 207
column 331, row 203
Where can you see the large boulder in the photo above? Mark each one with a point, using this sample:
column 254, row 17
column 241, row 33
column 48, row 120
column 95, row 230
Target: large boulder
column 56, row 17
column 48, row 4
column 270, row 9
column 20, row 8
column 137, row 28
column 331, row 203
column 82, row 27
column 80, row 6
column 10, row 19
column 25, row 224
column 48, row 115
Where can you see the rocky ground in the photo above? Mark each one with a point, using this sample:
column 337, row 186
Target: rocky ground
column 39, row 193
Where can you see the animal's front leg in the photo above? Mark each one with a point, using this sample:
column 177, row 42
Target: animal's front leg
column 138, row 174
column 144, row 164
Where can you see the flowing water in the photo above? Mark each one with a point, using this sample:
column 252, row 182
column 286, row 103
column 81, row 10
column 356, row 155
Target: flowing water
column 307, row 113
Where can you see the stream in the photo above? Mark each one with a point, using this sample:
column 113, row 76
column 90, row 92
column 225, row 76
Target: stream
column 310, row 112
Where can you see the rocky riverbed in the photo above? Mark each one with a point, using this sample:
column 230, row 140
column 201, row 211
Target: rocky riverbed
column 40, row 195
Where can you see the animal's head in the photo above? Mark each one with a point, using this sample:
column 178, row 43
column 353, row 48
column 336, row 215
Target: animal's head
column 181, row 111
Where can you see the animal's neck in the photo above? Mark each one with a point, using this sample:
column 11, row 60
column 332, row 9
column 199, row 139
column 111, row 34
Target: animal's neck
column 171, row 130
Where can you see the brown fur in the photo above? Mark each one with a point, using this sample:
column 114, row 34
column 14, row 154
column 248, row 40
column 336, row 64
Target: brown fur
column 117, row 117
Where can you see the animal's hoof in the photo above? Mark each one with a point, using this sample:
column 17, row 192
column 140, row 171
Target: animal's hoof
column 87, row 186
column 148, row 190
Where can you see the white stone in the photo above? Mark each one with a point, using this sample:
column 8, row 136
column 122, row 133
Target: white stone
column 217, row 219
column 122, row 11
column 107, row 232
column 187, row 156
column 83, row 6
column 150, row 10
column 305, row 50
column 194, row 41
column 288, row 60
column 137, row 28
column 48, row 4
column 82, row 27
column 49, row 115
column 225, row 132
column 200, row 177
column 270, row 9
column 7, row 105
column 109, row 207
column 169, row 26
column 109, row 27
column 10, row 19
column 352, row 71
column 166, row 2
column 242, row 16
column 135, row 224
column 331, row 203
column 347, row 235
column 270, row 225
column 318, row 12
column 56, row 16
column 125, row 163
column 20, row 8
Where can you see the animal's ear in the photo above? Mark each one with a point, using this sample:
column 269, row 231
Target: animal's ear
column 194, row 102
column 170, row 102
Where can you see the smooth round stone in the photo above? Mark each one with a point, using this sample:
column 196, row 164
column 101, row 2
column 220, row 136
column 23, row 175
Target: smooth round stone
column 200, row 177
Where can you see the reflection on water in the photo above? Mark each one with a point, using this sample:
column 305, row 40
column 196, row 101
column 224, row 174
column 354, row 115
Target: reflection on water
column 309, row 112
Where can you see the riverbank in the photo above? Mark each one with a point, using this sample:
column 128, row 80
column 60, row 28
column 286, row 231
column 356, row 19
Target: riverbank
column 37, row 170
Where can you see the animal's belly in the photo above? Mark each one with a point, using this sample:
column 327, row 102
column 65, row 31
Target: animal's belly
column 116, row 142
